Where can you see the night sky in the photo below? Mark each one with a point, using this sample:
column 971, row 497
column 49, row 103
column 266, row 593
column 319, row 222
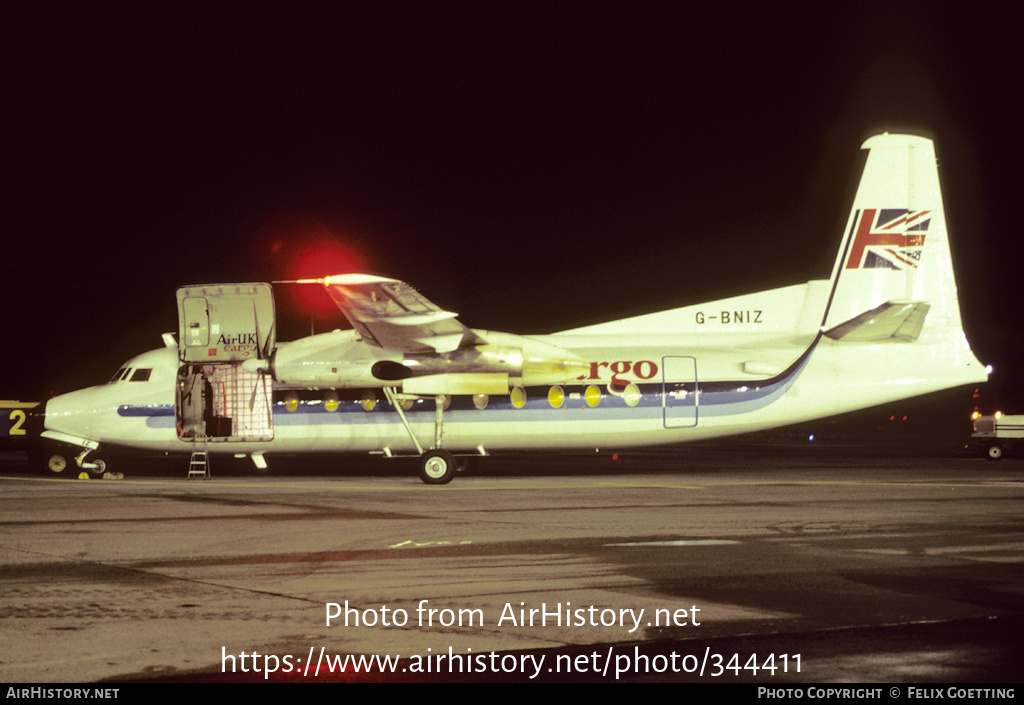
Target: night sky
column 532, row 166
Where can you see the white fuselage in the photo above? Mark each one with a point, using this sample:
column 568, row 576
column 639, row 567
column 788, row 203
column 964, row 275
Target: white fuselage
column 757, row 370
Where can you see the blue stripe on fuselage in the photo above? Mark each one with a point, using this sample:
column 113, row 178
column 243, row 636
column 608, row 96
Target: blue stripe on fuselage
column 715, row 398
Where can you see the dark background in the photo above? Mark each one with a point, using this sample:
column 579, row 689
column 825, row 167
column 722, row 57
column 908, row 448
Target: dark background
column 532, row 166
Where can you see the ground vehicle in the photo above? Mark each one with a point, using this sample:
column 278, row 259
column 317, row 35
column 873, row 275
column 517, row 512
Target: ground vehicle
column 14, row 422
column 998, row 432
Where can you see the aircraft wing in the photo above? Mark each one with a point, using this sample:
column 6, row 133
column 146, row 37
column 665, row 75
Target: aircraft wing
column 391, row 314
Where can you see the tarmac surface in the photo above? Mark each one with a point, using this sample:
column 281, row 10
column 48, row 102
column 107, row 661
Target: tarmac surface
column 700, row 564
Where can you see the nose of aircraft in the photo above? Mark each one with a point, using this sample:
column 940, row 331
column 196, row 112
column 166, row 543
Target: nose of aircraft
column 55, row 414
column 71, row 413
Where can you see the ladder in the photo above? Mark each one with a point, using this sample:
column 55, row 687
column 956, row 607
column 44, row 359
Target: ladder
column 199, row 466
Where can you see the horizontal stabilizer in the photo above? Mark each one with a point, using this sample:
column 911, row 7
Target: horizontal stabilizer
column 901, row 320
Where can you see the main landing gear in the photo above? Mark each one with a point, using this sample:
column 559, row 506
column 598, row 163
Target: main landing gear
column 437, row 465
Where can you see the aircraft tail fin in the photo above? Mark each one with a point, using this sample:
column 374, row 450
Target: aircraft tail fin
column 896, row 247
column 892, row 284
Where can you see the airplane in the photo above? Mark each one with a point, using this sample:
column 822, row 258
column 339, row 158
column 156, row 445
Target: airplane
column 410, row 379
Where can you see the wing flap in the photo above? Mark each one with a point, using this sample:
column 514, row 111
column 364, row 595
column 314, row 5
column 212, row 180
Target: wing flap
column 389, row 313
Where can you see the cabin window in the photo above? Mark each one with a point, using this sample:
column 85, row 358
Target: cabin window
column 368, row 400
column 331, row 401
column 632, row 394
column 556, row 397
column 142, row 374
column 518, row 397
column 291, row 401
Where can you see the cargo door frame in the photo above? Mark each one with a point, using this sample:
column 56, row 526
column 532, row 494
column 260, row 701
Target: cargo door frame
column 680, row 391
column 220, row 327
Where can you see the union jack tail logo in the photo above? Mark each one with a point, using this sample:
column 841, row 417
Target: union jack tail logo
column 889, row 238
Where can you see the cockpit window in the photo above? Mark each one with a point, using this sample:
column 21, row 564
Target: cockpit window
column 142, row 374
column 119, row 375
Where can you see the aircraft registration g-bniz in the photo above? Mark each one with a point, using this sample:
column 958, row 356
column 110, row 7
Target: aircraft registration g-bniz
column 410, row 378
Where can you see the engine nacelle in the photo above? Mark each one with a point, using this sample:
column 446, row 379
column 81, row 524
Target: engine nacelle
column 541, row 363
column 340, row 359
column 523, row 361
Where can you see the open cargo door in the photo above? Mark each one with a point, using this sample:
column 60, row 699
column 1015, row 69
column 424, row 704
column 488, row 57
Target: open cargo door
column 220, row 326
column 225, row 322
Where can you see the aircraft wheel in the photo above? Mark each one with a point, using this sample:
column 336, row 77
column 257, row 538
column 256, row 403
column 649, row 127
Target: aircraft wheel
column 437, row 467
column 58, row 462
column 102, row 465
column 995, row 452
column 465, row 465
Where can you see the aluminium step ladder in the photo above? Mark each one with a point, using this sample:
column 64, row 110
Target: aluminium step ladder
column 199, row 465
